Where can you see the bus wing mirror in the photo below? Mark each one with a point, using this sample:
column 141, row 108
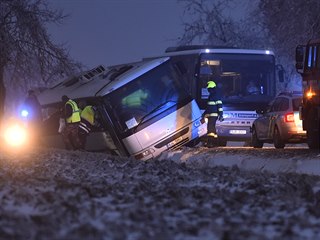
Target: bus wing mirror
column 280, row 72
column 260, row 111
column 299, row 56
column 281, row 75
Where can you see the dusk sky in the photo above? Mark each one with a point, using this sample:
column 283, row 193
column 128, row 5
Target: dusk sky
column 111, row 32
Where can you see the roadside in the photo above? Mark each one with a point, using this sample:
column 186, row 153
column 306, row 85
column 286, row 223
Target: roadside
column 293, row 159
column 57, row 194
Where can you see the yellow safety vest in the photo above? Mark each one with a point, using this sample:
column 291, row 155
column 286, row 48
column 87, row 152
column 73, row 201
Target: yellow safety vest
column 88, row 114
column 75, row 117
column 135, row 99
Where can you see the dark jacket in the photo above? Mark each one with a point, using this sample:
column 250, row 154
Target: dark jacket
column 214, row 104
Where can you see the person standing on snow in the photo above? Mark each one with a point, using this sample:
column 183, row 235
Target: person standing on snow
column 213, row 112
column 31, row 111
column 88, row 121
column 71, row 115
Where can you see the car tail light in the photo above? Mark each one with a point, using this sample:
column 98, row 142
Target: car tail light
column 289, row 117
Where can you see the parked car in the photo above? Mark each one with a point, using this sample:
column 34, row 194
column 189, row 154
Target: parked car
column 280, row 123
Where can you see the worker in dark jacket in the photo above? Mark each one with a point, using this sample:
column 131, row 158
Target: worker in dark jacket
column 213, row 112
column 31, row 112
column 71, row 115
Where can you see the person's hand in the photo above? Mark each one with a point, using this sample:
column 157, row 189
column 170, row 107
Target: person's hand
column 220, row 118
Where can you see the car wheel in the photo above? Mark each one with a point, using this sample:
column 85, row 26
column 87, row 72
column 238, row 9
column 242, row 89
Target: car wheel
column 256, row 143
column 313, row 131
column 277, row 139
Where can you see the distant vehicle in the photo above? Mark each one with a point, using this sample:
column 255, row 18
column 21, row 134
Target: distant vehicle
column 233, row 70
column 280, row 123
column 143, row 107
column 308, row 65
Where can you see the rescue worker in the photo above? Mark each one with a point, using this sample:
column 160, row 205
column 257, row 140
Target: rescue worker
column 135, row 99
column 88, row 121
column 31, row 112
column 213, row 112
column 71, row 115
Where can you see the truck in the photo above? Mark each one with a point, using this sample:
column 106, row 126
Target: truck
column 308, row 66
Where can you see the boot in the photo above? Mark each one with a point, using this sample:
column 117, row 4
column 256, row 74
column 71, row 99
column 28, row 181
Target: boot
column 211, row 143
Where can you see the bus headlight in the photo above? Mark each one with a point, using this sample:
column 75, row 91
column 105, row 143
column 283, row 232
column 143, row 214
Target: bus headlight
column 15, row 135
column 144, row 154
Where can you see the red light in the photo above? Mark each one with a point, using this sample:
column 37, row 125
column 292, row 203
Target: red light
column 289, row 117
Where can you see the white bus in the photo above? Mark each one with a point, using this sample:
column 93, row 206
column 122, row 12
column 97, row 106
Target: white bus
column 144, row 108
column 232, row 69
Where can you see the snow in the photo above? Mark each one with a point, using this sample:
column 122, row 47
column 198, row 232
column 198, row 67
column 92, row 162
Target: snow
column 193, row 193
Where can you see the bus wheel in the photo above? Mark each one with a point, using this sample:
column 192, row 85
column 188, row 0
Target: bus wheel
column 222, row 143
column 193, row 143
column 277, row 139
column 313, row 131
column 256, row 143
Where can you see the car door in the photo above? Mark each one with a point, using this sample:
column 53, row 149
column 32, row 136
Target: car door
column 262, row 125
column 280, row 105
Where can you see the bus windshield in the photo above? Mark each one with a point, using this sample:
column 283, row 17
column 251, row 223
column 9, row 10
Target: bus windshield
column 145, row 97
column 240, row 77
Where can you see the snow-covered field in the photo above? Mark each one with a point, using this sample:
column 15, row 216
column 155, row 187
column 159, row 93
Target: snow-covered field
column 189, row 194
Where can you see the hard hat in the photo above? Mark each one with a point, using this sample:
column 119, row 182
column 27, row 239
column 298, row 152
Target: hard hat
column 211, row 84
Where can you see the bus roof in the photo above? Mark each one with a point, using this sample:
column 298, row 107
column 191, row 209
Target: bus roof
column 198, row 49
column 100, row 84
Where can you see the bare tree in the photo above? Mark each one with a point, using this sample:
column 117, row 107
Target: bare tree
column 289, row 23
column 214, row 23
column 25, row 45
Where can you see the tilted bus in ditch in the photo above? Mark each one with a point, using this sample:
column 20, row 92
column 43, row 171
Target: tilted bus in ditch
column 232, row 69
column 143, row 108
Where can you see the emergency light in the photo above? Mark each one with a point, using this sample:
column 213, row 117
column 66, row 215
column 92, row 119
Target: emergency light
column 24, row 113
column 15, row 135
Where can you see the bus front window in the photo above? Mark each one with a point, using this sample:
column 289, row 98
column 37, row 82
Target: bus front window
column 239, row 76
column 144, row 97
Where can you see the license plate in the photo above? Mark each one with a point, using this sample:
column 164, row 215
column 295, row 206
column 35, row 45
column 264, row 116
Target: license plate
column 238, row 132
column 174, row 142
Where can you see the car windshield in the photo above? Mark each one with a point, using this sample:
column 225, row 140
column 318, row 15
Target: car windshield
column 145, row 97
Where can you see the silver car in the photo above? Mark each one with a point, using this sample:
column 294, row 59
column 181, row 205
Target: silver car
column 280, row 123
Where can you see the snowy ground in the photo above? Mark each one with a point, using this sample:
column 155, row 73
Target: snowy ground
column 188, row 194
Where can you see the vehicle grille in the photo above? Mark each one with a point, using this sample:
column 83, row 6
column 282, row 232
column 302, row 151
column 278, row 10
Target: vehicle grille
column 172, row 138
column 179, row 144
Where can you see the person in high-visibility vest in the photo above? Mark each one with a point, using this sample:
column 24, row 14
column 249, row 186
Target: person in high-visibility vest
column 88, row 121
column 135, row 99
column 213, row 112
column 71, row 114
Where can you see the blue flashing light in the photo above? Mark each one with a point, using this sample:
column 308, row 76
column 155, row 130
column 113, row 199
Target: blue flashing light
column 24, row 113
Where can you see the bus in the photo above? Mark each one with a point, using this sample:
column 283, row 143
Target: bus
column 234, row 71
column 143, row 108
